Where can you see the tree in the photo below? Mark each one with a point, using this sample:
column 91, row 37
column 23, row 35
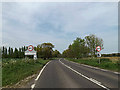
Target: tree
column 83, row 47
column 45, row 50
column 65, row 52
column 92, row 42
column 39, row 51
column 70, row 52
column 49, row 45
column 11, row 54
column 76, row 47
column 3, row 52
column 79, row 48
column 23, row 51
column 20, row 53
column 56, row 53
column 16, row 53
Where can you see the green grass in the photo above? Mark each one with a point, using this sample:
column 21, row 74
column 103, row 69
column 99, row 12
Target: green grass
column 105, row 63
column 15, row 70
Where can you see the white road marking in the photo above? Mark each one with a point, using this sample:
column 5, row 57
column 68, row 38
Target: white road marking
column 116, row 73
column 94, row 67
column 95, row 81
column 90, row 79
column 33, row 85
column 41, row 71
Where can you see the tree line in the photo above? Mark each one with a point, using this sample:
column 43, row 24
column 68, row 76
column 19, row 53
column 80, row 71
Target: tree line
column 13, row 52
column 111, row 55
column 44, row 51
column 85, row 47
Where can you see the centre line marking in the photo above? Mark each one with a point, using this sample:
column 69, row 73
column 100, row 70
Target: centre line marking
column 90, row 79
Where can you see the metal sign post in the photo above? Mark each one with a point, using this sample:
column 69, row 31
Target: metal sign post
column 31, row 51
column 98, row 48
column 99, row 55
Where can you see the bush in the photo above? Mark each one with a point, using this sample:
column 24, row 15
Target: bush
column 105, row 60
column 16, row 70
column 105, row 63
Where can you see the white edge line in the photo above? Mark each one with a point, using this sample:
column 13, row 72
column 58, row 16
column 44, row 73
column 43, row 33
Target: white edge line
column 41, row 71
column 90, row 79
column 95, row 67
column 33, row 85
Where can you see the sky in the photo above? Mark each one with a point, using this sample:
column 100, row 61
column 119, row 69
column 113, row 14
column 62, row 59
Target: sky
column 60, row 23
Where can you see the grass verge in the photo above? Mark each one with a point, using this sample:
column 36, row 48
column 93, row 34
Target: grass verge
column 105, row 63
column 15, row 70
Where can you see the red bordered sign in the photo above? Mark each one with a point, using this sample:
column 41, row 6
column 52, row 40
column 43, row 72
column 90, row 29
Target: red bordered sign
column 98, row 48
column 30, row 48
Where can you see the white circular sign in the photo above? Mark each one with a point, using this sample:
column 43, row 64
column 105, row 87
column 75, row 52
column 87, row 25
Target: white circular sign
column 99, row 55
column 30, row 47
column 98, row 48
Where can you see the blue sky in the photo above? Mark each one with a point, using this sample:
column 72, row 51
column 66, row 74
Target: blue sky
column 59, row 23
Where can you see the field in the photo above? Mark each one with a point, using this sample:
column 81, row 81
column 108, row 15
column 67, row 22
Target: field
column 113, row 59
column 105, row 63
column 14, row 70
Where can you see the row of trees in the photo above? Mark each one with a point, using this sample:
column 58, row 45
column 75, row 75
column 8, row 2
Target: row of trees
column 13, row 52
column 83, row 47
column 111, row 55
column 79, row 48
column 44, row 50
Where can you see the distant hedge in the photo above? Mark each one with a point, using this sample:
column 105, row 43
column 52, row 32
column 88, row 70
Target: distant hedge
column 111, row 55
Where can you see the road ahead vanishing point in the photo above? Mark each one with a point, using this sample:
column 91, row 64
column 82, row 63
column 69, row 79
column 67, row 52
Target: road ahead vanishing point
column 65, row 74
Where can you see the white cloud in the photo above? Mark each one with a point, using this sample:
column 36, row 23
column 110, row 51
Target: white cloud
column 59, row 23
column 60, row 0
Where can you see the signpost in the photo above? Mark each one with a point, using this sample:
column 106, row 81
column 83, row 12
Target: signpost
column 31, row 51
column 98, row 48
column 99, row 55
column 30, row 48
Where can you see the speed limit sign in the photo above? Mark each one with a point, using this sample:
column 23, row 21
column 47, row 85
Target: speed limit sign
column 98, row 48
column 30, row 48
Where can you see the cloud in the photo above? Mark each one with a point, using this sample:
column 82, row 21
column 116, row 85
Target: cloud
column 59, row 23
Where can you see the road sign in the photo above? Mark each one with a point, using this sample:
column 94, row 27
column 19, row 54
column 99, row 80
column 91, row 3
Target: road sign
column 98, row 48
column 99, row 55
column 30, row 48
column 31, row 51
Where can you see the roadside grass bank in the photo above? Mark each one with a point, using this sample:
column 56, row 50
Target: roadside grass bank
column 14, row 70
column 105, row 63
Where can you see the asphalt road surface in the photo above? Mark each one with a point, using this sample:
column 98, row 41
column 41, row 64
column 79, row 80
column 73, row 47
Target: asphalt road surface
column 65, row 74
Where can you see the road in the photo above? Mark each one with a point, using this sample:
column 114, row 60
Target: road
column 66, row 74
